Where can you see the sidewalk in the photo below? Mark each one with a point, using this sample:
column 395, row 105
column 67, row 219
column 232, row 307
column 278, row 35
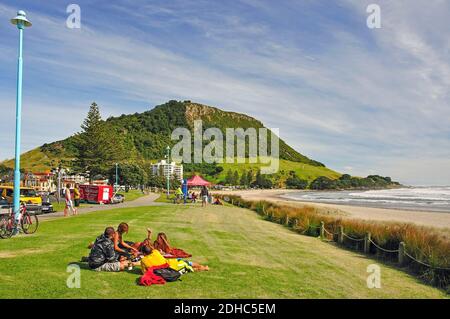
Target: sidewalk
column 147, row 200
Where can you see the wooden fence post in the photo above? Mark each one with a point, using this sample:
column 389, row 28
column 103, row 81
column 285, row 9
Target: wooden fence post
column 401, row 253
column 367, row 243
column 341, row 234
column 322, row 230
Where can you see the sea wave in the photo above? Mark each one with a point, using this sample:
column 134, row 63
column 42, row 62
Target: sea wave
column 418, row 198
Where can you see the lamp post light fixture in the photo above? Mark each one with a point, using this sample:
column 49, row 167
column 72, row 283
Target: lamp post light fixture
column 21, row 22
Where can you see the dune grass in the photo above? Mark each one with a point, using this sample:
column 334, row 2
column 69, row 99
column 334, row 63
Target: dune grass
column 248, row 257
column 426, row 244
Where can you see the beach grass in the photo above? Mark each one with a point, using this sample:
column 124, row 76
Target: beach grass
column 427, row 245
column 248, row 256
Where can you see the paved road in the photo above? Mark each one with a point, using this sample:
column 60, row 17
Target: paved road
column 147, row 200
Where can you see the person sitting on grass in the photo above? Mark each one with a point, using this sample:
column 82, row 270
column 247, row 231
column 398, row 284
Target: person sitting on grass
column 194, row 197
column 153, row 258
column 217, row 202
column 162, row 244
column 124, row 249
column 102, row 256
column 146, row 242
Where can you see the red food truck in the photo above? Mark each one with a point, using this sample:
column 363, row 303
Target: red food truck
column 97, row 194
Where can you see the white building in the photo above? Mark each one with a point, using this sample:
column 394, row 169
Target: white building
column 168, row 169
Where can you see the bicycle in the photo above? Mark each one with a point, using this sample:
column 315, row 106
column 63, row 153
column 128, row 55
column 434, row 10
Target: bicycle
column 8, row 224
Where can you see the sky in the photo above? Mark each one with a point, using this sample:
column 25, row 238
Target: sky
column 362, row 101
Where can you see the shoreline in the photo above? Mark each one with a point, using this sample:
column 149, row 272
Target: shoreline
column 422, row 218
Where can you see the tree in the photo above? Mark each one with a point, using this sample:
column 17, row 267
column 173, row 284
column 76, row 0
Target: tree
column 229, row 177
column 129, row 174
column 295, row 182
column 235, row 178
column 157, row 181
column 261, row 181
column 249, row 177
column 244, row 181
column 98, row 146
column 323, row 182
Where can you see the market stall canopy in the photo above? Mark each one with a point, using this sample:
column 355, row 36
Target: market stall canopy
column 197, row 181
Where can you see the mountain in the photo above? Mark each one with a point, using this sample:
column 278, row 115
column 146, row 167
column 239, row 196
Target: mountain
column 146, row 135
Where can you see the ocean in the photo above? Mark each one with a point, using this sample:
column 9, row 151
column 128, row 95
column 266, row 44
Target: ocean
column 435, row 199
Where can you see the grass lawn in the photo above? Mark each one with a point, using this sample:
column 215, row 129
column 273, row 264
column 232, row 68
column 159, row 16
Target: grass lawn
column 132, row 194
column 248, row 257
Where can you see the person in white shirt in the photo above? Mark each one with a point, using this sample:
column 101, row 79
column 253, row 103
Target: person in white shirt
column 69, row 203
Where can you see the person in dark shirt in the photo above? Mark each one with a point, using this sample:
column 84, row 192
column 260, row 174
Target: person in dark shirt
column 204, row 193
column 103, row 256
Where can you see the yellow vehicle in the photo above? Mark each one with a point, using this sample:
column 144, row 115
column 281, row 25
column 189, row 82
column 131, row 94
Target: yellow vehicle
column 27, row 195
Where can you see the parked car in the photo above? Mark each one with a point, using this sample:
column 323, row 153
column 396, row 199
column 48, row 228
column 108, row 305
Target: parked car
column 46, row 208
column 118, row 198
column 4, row 206
column 27, row 195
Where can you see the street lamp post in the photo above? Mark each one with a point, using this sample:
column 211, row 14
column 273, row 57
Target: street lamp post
column 117, row 176
column 168, row 171
column 21, row 22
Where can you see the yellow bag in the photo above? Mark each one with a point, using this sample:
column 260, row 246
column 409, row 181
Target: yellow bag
column 178, row 264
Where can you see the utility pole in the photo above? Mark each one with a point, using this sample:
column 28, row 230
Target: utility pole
column 59, row 183
column 117, row 176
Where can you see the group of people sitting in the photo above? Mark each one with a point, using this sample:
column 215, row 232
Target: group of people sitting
column 110, row 252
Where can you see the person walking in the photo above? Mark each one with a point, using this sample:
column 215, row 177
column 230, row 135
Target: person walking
column 204, row 194
column 178, row 195
column 76, row 195
column 69, row 203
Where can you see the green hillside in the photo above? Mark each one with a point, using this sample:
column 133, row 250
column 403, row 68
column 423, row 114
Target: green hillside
column 305, row 171
column 144, row 137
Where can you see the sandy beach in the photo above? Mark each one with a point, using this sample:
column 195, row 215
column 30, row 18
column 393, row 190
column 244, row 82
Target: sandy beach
column 433, row 219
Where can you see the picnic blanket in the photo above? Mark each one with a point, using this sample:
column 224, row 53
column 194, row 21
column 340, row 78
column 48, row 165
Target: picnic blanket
column 177, row 253
column 150, row 278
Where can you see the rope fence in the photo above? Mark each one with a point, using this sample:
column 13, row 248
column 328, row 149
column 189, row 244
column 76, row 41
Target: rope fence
column 367, row 240
column 351, row 238
column 425, row 264
column 330, row 233
column 384, row 249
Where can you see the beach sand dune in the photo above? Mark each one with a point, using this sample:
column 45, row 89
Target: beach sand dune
column 433, row 219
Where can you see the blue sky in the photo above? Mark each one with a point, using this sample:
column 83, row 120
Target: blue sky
column 361, row 100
